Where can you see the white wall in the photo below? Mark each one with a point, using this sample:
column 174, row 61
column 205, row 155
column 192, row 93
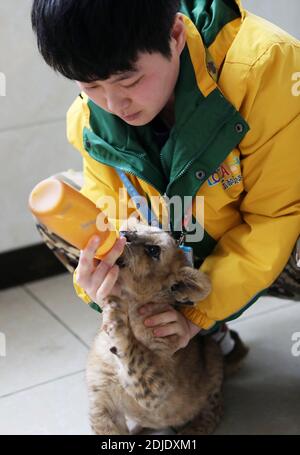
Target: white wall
column 284, row 13
column 33, row 143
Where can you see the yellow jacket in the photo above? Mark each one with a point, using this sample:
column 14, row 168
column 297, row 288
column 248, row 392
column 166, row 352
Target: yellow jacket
column 242, row 134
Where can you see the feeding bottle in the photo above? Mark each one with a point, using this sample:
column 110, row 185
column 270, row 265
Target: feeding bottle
column 70, row 215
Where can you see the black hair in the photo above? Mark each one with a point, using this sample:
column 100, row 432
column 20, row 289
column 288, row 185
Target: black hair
column 89, row 40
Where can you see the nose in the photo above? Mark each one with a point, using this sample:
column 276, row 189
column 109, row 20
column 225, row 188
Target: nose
column 130, row 236
column 117, row 104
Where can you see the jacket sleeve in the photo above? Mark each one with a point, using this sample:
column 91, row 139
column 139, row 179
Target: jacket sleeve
column 99, row 180
column 93, row 187
column 248, row 258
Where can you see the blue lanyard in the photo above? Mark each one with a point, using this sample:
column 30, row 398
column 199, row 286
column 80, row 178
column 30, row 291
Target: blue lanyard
column 139, row 201
column 150, row 218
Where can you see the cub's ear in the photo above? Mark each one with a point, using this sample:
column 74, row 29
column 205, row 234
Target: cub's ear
column 189, row 286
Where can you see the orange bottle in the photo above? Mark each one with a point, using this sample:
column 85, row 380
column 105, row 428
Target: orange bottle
column 70, row 215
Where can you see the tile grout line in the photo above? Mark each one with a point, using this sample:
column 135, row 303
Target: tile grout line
column 31, row 294
column 246, row 318
column 41, row 384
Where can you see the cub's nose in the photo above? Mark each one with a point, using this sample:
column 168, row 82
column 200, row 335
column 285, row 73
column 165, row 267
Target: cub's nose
column 130, row 236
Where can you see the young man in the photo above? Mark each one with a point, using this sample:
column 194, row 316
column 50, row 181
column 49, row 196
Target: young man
column 191, row 98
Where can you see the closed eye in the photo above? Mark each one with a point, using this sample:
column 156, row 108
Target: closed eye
column 153, row 251
column 134, row 83
column 91, row 88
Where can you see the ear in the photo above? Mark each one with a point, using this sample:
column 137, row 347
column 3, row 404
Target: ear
column 190, row 285
column 178, row 33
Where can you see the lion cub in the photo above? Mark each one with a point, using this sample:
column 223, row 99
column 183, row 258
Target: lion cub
column 132, row 374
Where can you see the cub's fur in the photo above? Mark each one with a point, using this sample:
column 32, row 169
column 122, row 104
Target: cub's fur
column 131, row 373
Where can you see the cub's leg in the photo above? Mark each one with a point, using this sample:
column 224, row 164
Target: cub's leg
column 146, row 375
column 105, row 418
column 207, row 421
column 210, row 415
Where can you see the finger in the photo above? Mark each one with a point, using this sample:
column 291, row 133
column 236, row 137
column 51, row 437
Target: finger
column 167, row 330
column 108, row 283
column 86, row 259
column 173, row 332
column 96, row 262
column 104, row 267
column 111, row 257
column 151, row 308
column 98, row 276
column 161, row 318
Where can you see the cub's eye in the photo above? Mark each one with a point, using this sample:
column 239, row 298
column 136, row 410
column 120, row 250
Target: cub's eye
column 153, row 251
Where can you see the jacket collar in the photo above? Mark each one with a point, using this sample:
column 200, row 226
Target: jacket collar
column 204, row 119
column 211, row 16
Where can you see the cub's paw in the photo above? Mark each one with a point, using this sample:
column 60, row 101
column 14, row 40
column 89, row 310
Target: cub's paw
column 111, row 303
column 115, row 324
column 110, row 327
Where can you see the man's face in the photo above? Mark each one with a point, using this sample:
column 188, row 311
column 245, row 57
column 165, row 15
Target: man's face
column 138, row 97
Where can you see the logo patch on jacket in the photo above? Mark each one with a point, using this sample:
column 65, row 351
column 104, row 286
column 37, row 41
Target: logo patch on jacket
column 228, row 174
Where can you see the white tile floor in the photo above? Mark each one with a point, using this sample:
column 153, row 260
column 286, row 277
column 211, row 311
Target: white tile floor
column 48, row 332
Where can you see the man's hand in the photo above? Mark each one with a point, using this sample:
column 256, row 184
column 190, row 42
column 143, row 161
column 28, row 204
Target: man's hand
column 98, row 278
column 169, row 323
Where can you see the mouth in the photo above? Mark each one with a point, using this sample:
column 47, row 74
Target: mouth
column 130, row 118
column 121, row 262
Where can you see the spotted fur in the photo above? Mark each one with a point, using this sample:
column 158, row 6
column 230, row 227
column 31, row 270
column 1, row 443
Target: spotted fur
column 132, row 374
